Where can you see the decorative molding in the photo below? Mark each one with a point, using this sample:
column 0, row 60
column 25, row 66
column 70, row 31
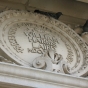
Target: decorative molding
column 21, row 77
column 26, row 37
column 50, row 61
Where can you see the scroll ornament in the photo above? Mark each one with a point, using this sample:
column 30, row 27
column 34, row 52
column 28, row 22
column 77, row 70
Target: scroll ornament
column 51, row 61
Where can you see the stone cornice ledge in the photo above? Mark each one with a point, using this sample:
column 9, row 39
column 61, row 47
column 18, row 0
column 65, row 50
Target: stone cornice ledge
column 29, row 77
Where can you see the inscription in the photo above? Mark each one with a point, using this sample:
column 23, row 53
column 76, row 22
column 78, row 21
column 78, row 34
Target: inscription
column 12, row 40
column 70, row 53
column 40, row 39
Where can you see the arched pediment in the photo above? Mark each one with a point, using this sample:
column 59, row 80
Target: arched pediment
column 41, row 42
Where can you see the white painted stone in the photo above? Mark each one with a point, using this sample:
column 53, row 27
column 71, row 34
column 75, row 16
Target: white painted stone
column 26, row 36
column 28, row 77
column 42, row 52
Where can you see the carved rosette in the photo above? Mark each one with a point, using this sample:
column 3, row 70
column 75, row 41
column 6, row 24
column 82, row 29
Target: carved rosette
column 38, row 41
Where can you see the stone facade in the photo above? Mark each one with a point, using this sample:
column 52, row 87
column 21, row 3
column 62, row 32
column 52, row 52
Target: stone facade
column 40, row 51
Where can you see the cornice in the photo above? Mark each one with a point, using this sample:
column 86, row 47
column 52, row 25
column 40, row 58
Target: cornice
column 26, row 77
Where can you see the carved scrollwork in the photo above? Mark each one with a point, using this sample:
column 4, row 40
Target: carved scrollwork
column 49, row 61
column 39, row 63
column 42, row 62
column 55, row 57
column 40, row 34
column 58, row 64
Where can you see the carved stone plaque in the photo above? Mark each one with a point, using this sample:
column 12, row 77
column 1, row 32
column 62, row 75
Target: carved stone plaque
column 25, row 36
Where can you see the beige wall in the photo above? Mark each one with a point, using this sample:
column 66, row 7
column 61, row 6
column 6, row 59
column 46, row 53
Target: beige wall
column 74, row 12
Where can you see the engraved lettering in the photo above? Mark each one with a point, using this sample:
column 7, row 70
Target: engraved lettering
column 13, row 42
column 40, row 39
